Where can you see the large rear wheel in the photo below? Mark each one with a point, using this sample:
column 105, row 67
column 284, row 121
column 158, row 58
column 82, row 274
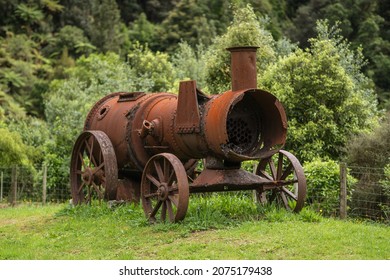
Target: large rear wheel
column 287, row 182
column 164, row 189
column 93, row 169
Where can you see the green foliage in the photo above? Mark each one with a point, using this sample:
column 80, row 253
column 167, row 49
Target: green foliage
column 371, row 149
column 155, row 67
column 105, row 28
column 364, row 152
column 23, row 71
column 245, row 30
column 188, row 63
column 365, row 23
column 385, row 183
column 323, row 186
column 12, row 150
column 325, row 96
column 187, row 22
column 145, row 32
column 29, row 14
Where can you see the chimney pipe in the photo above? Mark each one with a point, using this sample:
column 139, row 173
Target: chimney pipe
column 243, row 67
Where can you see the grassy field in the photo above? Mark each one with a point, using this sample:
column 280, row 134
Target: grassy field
column 215, row 228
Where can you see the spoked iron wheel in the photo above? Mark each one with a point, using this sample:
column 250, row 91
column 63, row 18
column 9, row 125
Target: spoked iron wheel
column 164, row 189
column 93, row 169
column 287, row 185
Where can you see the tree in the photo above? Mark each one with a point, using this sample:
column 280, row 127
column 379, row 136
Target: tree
column 187, row 22
column 364, row 23
column 24, row 71
column 152, row 67
column 325, row 94
column 189, row 63
column 144, row 32
column 12, row 149
column 246, row 30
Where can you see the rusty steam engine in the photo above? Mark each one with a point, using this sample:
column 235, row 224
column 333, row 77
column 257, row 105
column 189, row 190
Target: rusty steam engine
column 140, row 146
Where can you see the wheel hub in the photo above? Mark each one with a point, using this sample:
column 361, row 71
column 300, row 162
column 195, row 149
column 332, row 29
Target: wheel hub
column 87, row 176
column 162, row 192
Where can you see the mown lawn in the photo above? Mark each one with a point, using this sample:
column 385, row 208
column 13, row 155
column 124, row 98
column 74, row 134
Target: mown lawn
column 213, row 229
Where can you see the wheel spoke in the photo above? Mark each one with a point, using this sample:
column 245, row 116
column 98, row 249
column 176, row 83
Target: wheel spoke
column 170, row 211
column 155, row 209
column 273, row 169
column 153, row 180
column 284, row 199
column 174, row 199
column 167, row 171
column 289, row 193
column 89, row 194
column 287, row 172
column 99, row 193
column 280, row 166
column 171, row 177
column 264, row 174
column 289, row 182
column 81, row 187
column 164, row 211
column 159, row 171
column 91, row 151
column 82, row 160
column 98, row 168
column 151, row 195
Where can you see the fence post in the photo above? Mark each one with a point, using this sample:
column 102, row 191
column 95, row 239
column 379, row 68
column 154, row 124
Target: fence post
column 1, row 186
column 343, row 190
column 44, row 184
column 254, row 192
column 14, row 187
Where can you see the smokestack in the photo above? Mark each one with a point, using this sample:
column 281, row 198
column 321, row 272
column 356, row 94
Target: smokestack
column 243, row 67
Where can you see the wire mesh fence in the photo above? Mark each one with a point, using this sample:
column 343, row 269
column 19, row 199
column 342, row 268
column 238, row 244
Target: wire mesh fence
column 367, row 198
column 370, row 198
column 30, row 184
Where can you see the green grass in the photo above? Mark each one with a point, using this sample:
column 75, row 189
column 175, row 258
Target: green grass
column 216, row 227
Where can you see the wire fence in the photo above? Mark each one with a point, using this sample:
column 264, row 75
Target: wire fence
column 370, row 195
column 367, row 198
column 30, row 184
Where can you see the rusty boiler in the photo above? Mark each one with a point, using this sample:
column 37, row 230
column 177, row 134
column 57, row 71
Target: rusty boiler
column 147, row 146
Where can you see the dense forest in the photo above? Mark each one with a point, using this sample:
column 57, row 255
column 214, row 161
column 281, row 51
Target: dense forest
column 328, row 61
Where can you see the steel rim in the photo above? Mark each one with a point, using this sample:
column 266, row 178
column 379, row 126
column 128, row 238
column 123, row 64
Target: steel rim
column 93, row 170
column 287, row 186
column 164, row 189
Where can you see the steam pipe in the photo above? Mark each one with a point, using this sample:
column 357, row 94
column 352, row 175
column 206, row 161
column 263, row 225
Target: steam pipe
column 243, row 67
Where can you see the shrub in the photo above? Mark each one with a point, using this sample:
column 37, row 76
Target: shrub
column 323, row 185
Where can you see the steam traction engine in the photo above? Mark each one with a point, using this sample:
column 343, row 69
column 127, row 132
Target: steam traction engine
column 137, row 146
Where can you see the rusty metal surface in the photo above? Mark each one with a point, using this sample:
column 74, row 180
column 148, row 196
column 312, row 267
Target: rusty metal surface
column 226, row 180
column 128, row 190
column 160, row 136
column 164, row 188
column 287, row 180
column 243, row 67
column 187, row 114
column 93, row 170
column 245, row 125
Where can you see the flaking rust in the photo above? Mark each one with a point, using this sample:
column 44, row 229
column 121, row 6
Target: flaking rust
column 138, row 146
